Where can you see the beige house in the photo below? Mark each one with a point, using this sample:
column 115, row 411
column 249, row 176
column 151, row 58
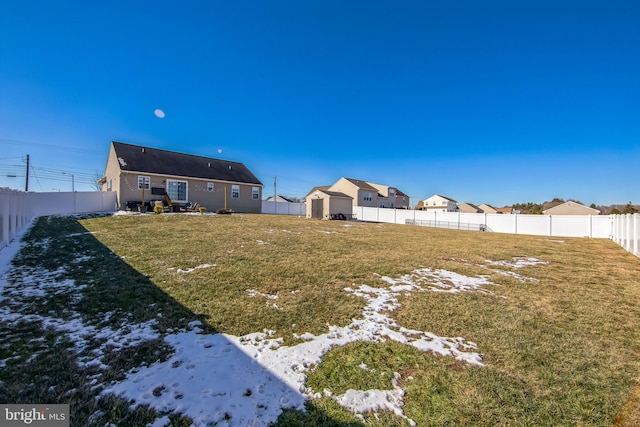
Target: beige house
column 139, row 173
column 507, row 210
column 486, row 208
column 469, row 208
column 439, row 203
column 571, row 208
column 357, row 192
column 391, row 197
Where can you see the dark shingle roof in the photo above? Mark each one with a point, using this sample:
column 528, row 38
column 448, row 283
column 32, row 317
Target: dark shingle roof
column 325, row 190
column 136, row 158
column 363, row 185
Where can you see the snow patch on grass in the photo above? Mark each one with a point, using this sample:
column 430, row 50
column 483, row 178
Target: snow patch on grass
column 191, row 270
column 438, row 280
column 517, row 262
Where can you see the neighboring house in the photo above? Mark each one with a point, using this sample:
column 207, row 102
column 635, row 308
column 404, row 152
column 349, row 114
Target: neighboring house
column 571, row 208
column 279, row 198
column 549, row 205
column 358, row 192
column 390, row 197
column 213, row 183
column 439, row 203
column 508, row 210
column 486, row 208
column 469, row 208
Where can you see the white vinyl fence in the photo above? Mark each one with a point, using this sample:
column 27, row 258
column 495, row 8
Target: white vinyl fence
column 19, row 208
column 283, row 208
column 65, row 203
column 622, row 229
column 16, row 212
column 626, row 232
column 598, row 226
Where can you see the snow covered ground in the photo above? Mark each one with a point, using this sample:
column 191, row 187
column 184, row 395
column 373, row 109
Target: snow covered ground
column 249, row 380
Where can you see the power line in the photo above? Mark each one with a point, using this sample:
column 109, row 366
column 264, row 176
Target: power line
column 48, row 146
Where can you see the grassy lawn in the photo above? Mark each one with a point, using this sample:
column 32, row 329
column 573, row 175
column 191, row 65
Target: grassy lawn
column 559, row 337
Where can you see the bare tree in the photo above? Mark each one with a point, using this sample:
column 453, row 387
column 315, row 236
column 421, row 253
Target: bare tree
column 97, row 177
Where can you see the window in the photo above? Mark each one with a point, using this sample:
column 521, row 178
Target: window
column 109, row 185
column 235, row 191
column 255, row 193
column 367, row 197
column 144, row 180
column 444, row 202
column 209, row 186
column 177, row 190
column 392, row 192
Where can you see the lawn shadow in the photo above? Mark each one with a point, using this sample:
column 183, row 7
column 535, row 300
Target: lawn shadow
column 131, row 342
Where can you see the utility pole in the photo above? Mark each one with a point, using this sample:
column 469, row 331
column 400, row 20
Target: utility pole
column 274, row 189
column 26, row 184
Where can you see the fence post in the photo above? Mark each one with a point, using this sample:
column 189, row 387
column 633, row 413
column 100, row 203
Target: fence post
column 636, row 234
column 4, row 216
column 13, row 206
column 629, row 232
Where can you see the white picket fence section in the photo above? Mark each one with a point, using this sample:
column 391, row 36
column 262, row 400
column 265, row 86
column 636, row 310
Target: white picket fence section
column 19, row 208
column 284, row 208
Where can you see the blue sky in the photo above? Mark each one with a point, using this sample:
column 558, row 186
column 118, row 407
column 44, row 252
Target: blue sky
column 485, row 102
